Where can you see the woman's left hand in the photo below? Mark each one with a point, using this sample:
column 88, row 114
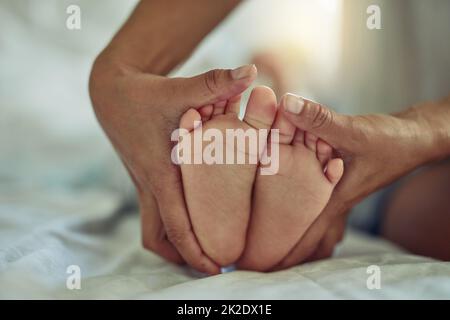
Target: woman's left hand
column 376, row 150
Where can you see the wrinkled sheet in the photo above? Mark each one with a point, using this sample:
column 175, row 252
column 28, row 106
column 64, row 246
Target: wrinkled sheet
column 42, row 234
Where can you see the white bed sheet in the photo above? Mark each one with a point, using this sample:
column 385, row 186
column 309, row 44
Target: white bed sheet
column 42, row 234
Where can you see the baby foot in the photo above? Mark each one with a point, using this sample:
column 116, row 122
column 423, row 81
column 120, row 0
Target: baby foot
column 218, row 196
column 285, row 204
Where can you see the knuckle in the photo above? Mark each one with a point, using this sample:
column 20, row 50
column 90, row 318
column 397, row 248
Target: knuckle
column 212, row 80
column 175, row 236
column 320, row 116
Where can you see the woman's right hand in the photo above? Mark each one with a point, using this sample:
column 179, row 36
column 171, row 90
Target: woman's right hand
column 138, row 111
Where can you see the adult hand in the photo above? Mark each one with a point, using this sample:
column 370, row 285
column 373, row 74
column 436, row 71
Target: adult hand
column 376, row 149
column 138, row 111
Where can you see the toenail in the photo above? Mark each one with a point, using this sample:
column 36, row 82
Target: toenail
column 293, row 104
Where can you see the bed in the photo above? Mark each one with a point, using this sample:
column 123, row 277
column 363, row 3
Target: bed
column 44, row 233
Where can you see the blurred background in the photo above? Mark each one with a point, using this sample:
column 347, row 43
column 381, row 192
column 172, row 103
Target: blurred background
column 49, row 138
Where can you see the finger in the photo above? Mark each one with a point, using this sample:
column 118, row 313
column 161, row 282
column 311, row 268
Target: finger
column 153, row 233
column 324, row 250
column 306, row 246
column 177, row 224
column 328, row 243
column 310, row 240
column 315, row 118
column 152, row 230
column 213, row 86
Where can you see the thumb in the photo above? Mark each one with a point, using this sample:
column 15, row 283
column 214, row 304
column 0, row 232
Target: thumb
column 215, row 85
column 315, row 118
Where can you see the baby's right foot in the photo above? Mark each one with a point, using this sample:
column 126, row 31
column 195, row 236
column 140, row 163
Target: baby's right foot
column 285, row 204
column 218, row 196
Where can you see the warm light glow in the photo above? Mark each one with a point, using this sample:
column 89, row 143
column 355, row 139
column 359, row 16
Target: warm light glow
column 313, row 27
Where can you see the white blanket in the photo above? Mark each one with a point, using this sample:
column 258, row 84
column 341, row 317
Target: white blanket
column 42, row 234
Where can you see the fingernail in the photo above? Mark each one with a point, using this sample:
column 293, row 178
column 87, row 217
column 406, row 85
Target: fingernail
column 293, row 104
column 242, row 72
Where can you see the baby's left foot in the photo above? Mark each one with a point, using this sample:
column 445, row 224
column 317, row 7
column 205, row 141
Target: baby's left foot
column 286, row 204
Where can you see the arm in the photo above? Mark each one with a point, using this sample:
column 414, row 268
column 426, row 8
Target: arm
column 432, row 120
column 376, row 149
column 138, row 109
column 162, row 33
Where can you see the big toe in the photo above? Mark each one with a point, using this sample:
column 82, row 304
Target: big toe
column 261, row 108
